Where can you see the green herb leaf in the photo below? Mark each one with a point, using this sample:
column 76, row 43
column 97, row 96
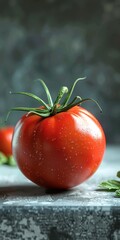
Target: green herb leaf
column 3, row 158
column 7, row 160
column 118, row 174
column 118, row 193
column 112, row 185
column 11, row 161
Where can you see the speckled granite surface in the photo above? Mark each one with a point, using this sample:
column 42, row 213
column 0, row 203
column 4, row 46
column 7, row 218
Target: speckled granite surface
column 32, row 213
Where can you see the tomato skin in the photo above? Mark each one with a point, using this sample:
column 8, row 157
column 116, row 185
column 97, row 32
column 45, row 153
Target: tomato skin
column 6, row 134
column 60, row 151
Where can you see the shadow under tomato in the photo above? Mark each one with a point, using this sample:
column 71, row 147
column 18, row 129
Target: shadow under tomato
column 22, row 190
column 29, row 190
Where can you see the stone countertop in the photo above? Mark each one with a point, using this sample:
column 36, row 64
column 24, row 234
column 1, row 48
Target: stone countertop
column 28, row 211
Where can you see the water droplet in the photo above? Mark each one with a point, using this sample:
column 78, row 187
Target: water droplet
column 64, row 147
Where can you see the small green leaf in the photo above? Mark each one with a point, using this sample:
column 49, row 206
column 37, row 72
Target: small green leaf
column 118, row 193
column 110, row 185
column 3, row 158
column 118, row 174
column 11, row 161
column 7, row 160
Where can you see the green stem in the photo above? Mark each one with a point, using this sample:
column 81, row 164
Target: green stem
column 91, row 99
column 50, row 101
column 50, row 108
column 33, row 96
column 61, row 93
column 74, row 103
column 38, row 111
column 71, row 91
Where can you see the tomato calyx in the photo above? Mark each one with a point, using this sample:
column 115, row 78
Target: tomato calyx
column 51, row 108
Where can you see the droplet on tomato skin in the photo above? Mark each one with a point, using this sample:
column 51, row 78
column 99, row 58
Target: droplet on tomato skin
column 58, row 176
column 76, row 154
column 72, row 169
column 92, row 156
column 40, row 163
column 34, row 133
column 26, row 154
column 53, row 139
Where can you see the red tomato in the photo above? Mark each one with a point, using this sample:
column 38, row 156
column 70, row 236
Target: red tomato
column 6, row 134
column 59, row 151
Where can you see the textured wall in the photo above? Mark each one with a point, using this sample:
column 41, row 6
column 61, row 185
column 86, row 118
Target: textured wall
column 60, row 41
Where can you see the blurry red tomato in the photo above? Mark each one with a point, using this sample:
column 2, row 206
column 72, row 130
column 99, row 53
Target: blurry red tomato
column 6, row 139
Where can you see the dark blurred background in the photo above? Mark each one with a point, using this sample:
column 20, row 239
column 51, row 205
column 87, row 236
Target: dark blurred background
column 59, row 41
